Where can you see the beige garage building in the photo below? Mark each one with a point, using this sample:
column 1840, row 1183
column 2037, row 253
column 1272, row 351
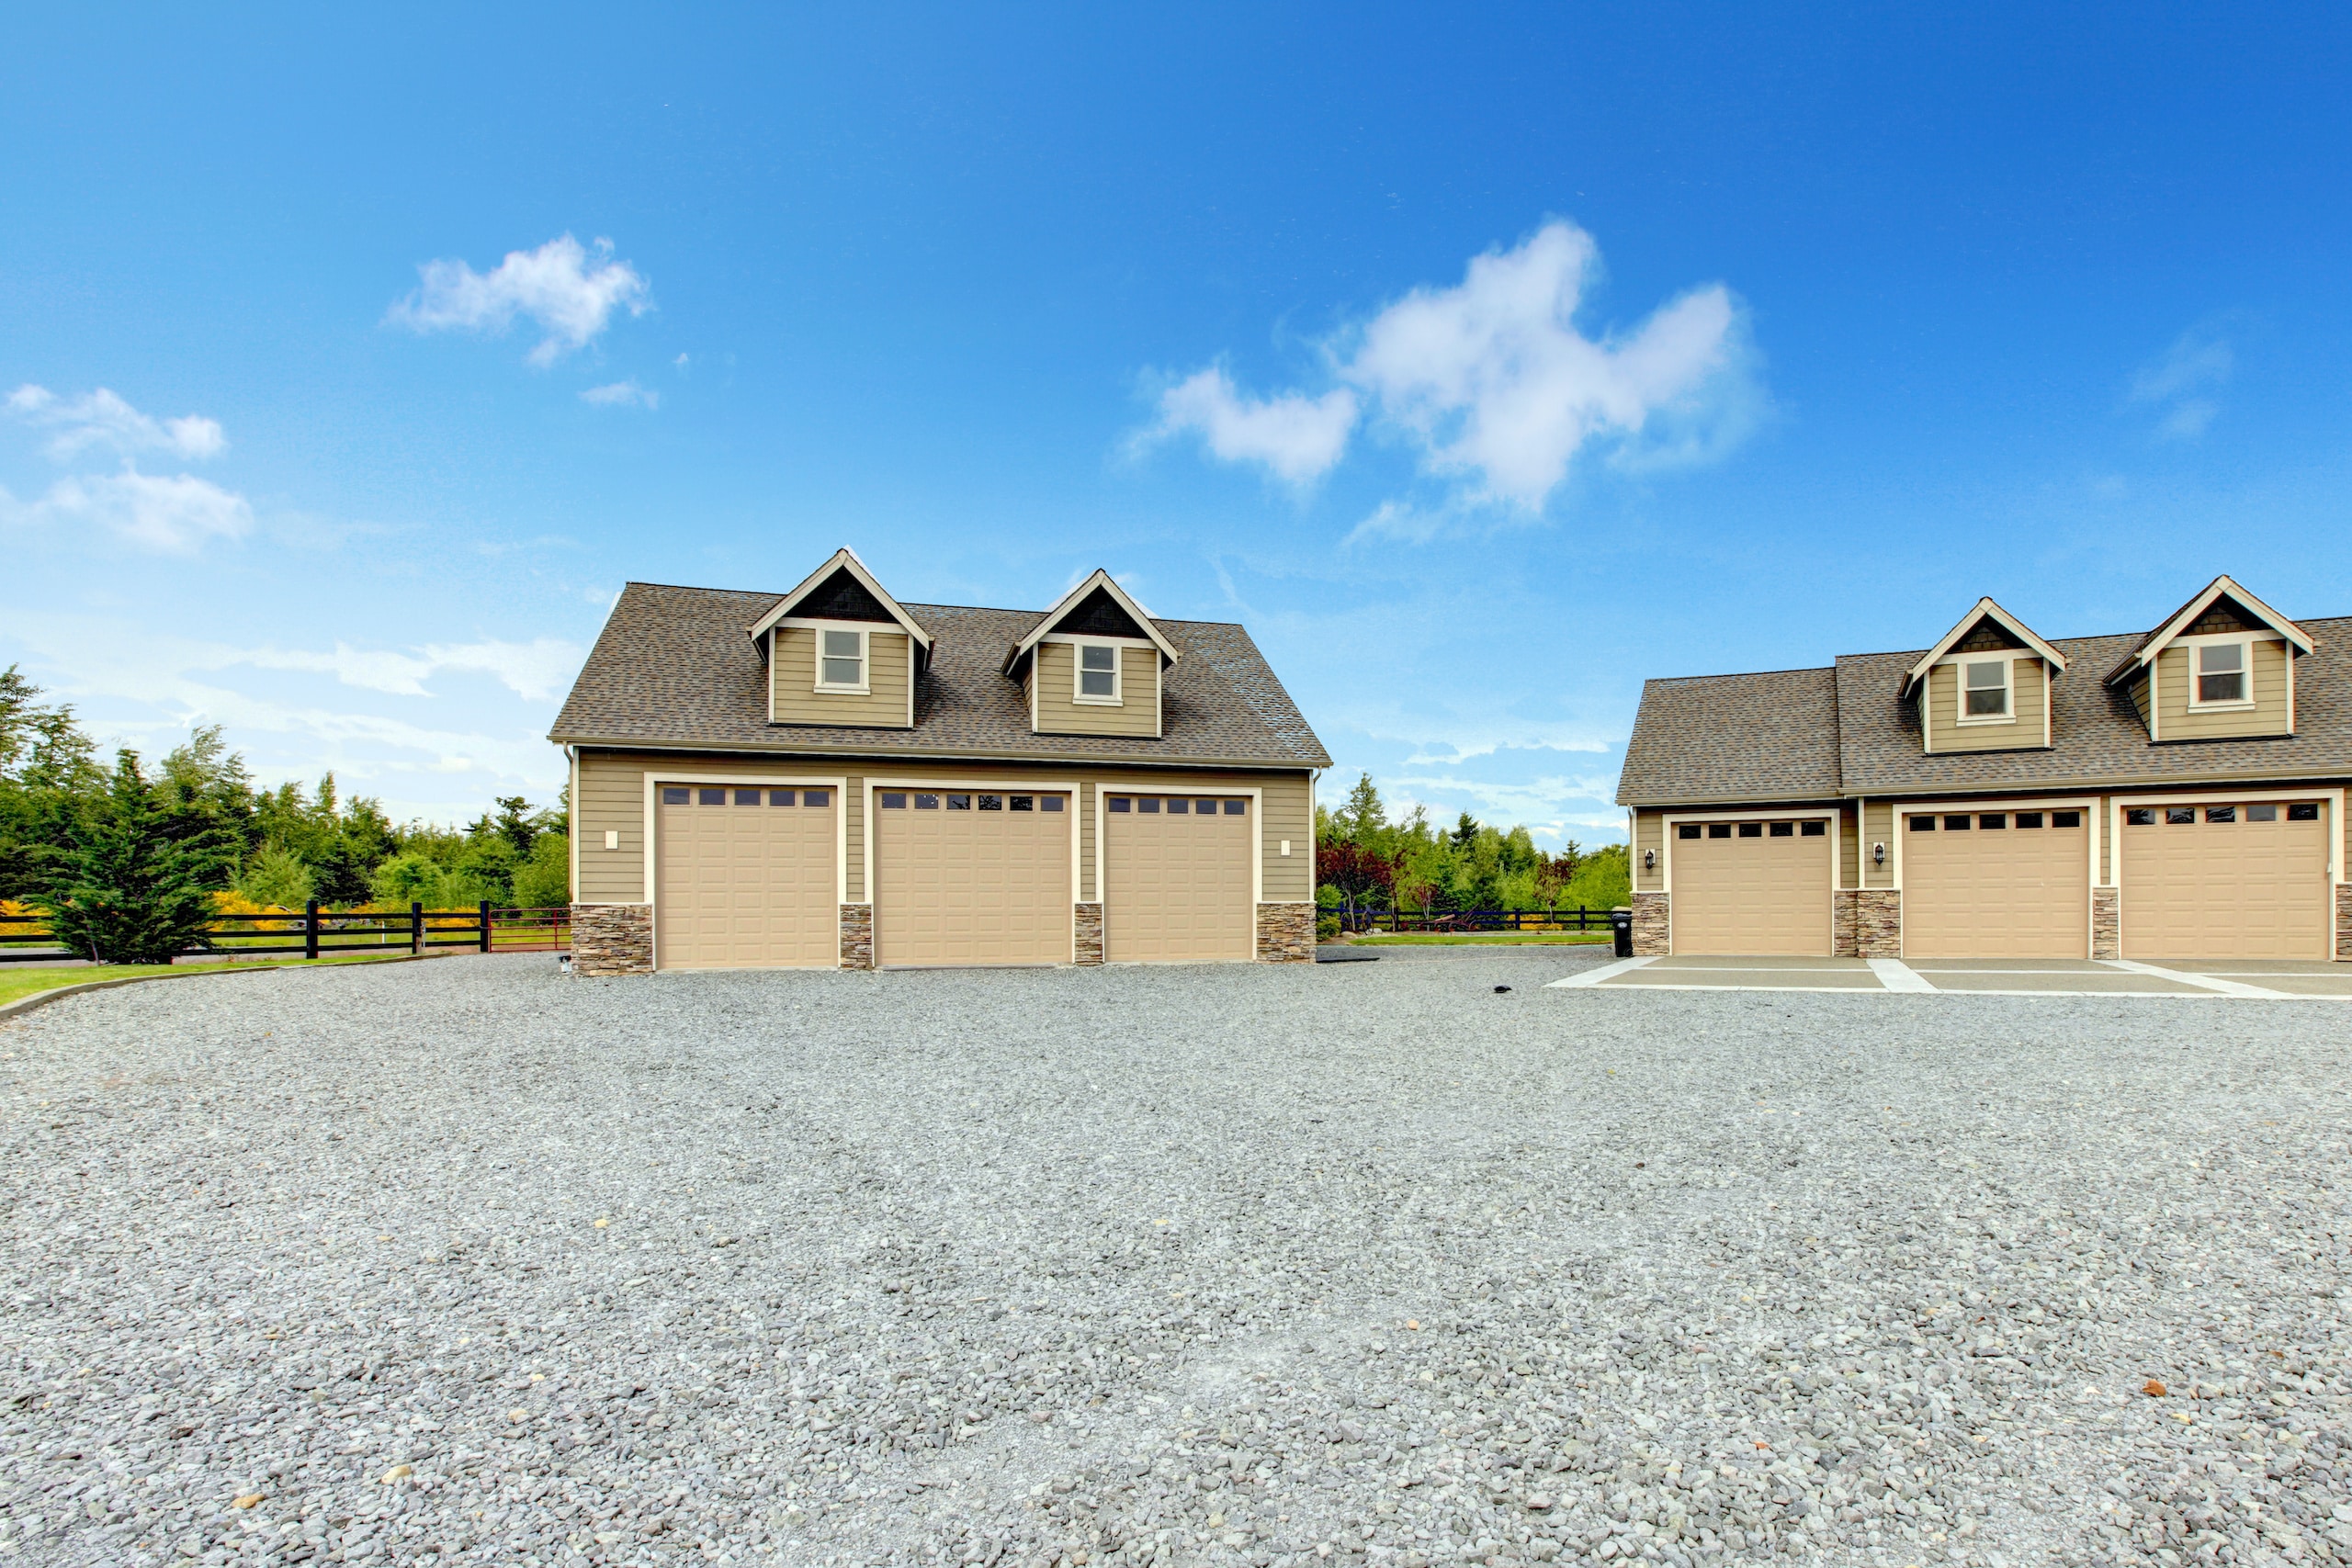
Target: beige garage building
column 829, row 778
column 2173, row 795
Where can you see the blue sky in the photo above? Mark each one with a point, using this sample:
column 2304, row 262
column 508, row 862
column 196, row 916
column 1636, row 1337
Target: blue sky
column 1482, row 361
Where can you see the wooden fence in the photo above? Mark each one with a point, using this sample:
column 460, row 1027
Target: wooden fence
column 327, row 933
column 1576, row 920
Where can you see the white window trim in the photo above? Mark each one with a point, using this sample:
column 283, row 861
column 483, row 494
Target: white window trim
column 1961, row 717
column 1117, row 699
column 2196, row 646
column 865, row 686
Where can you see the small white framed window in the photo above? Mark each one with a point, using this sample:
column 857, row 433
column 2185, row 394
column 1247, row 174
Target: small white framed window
column 840, row 659
column 1985, row 691
column 1098, row 673
column 2223, row 675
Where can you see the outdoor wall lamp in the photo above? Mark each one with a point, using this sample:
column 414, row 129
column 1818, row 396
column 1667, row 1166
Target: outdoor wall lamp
column 1877, row 855
column 1649, row 860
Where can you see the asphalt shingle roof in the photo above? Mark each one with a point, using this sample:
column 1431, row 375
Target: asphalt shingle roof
column 673, row 667
column 1763, row 738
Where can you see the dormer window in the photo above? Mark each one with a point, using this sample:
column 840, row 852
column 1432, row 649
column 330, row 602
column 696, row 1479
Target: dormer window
column 1987, row 683
column 841, row 667
column 2221, row 676
column 1098, row 672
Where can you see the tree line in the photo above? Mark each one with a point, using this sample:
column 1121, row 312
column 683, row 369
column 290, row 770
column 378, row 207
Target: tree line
column 1364, row 861
column 130, row 861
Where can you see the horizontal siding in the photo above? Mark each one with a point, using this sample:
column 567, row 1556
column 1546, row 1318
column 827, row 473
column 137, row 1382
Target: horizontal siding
column 1849, row 852
column 1058, row 714
column 1649, row 833
column 2139, row 689
column 1878, row 828
column 2268, row 716
column 1947, row 734
column 793, row 675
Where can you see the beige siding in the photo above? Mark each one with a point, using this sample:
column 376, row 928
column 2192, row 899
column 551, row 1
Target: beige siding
column 2268, row 716
column 1878, row 828
column 612, row 799
column 1849, row 852
column 1087, row 891
column 1138, row 710
column 793, row 677
column 2138, row 687
column 1649, row 833
column 1946, row 733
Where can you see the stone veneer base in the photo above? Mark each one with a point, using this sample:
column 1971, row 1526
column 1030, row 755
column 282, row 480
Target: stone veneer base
column 2343, row 923
column 1089, row 945
column 612, row 939
column 2106, row 922
column 1653, row 929
column 857, row 936
column 1878, row 922
column 1286, row 933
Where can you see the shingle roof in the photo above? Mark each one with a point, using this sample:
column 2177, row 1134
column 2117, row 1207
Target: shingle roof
column 675, row 667
column 1772, row 736
column 1761, row 737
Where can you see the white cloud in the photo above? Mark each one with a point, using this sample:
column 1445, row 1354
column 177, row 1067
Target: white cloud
column 2179, row 381
column 627, row 394
column 174, row 514
column 1497, row 388
column 1495, row 380
column 537, row 670
column 104, row 418
column 1295, row 436
column 569, row 293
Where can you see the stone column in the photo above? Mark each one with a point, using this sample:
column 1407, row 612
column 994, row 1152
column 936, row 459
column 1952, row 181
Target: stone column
column 1090, row 932
column 1878, row 922
column 612, row 939
column 1842, row 941
column 1286, row 933
column 857, row 936
column 1653, row 936
column 2106, row 922
column 2343, row 923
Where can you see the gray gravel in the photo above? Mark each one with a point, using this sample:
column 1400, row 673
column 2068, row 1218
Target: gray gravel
column 1356, row 1262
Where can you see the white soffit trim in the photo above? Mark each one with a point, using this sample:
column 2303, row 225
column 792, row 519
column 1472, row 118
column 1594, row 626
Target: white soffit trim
column 2174, row 629
column 1983, row 608
column 1071, row 600
column 842, row 560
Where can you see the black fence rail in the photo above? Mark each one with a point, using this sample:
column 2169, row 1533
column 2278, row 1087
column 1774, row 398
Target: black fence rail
column 326, row 933
column 1580, row 918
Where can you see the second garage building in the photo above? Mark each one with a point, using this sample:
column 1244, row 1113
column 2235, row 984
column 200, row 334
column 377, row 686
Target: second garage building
column 2173, row 795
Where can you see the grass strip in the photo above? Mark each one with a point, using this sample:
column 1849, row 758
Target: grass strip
column 18, row 984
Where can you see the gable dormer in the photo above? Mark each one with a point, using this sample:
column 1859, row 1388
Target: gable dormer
column 1985, row 686
column 840, row 650
column 1092, row 664
column 2221, row 667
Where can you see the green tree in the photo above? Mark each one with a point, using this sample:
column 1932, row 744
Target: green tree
column 134, row 882
column 275, row 875
column 544, row 880
column 50, row 778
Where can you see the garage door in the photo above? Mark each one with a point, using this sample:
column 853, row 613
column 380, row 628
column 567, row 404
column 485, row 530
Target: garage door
column 2243, row 881
column 1996, row 884
column 1177, row 885
column 746, row 878
column 1751, row 887
column 971, row 876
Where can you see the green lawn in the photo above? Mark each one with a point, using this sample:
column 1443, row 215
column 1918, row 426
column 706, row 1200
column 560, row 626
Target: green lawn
column 1483, row 938
column 18, row 983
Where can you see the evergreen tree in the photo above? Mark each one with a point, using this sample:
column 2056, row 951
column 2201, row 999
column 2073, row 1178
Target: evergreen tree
column 134, row 884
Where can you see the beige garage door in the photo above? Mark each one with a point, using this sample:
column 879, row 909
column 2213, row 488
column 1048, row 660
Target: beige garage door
column 746, row 877
column 2243, row 881
column 971, row 876
column 1176, row 878
column 1750, row 887
column 1996, row 884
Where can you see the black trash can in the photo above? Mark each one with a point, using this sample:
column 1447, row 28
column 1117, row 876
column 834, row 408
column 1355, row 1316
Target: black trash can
column 1620, row 932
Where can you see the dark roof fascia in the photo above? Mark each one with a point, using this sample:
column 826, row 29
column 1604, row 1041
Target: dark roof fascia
column 938, row 755
column 1743, row 802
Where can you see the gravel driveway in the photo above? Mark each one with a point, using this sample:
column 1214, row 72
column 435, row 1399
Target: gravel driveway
column 1203, row 1265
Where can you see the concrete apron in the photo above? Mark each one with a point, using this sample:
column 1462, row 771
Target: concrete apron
column 2238, row 979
